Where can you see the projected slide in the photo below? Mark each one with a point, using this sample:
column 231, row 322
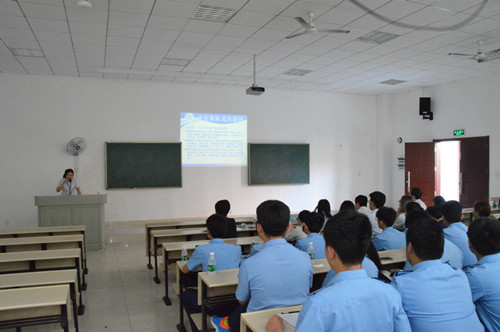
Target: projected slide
column 213, row 139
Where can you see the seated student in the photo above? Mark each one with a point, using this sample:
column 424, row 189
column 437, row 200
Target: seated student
column 227, row 256
column 297, row 232
column 438, row 201
column 416, row 194
column 390, row 238
column 451, row 254
column 279, row 275
column 353, row 301
column 456, row 231
column 347, row 206
column 312, row 226
column 436, row 214
column 324, row 209
column 481, row 209
column 222, row 207
column 360, row 203
column 377, row 200
column 399, row 224
column 484, row 241
column 435, row 296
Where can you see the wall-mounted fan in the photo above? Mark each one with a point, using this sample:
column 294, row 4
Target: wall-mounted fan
column 310, row 28
column 481, row 56
column 76, row 146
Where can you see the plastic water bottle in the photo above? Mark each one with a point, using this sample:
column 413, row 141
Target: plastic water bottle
column 184, row 254
column 310, row 250
column 254, row 221
column 211, row 264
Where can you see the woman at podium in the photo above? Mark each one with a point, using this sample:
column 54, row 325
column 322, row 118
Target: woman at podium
column 67, row 185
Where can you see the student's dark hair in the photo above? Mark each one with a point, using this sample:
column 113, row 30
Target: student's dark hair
column 426, row 238
column 452, row 211
column 434, row 211
column 303, row 215
column 324, row 208
column 69, row 170
column 438, row 201
column 274, row 217
column 416, row 192
column 347, row 206
column 483, row 209
column 350, row 235
column 362, row 200
column 412, row 206
column 314, row 222
column 403, row 202
column 377, row 198
column 387, row 215
column 222, row 207
column 216, row 225
column 372, row 254
column 416, row 215
column 484, row 235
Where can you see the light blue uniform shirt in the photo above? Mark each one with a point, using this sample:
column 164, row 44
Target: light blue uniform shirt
column 451, row 255
column 485, row 286
column 436, row 298
column 367, row 265
column 389, row 239
column 353, row 302
column 227, row 256
column 457, row 233
column 318, row 245
column 279, row 275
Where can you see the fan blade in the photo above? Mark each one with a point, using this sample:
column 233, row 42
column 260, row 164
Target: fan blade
column 296, row 35
column 303, row 22
column 492, row 52
column 334, row 31
column 462, row 54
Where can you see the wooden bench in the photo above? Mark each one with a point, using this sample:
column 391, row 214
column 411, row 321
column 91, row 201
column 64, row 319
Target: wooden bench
column 34, row 306
column 46, row 278
column 45, row 260
column 49, row 231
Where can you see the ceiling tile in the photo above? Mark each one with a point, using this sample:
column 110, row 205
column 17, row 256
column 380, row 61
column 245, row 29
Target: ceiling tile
column 127, row 19
column 132, row 6
column 78, row 14
column 174, row 9
column 168, row 23
column 14, row 22
column 48, row 25
column 43, row 11
column 246, row 17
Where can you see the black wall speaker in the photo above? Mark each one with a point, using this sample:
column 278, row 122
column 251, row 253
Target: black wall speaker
column 425, row 105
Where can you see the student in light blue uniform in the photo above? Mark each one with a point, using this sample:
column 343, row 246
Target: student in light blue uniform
column 227, row 256
column 279, row 275
column 456, row 231
column 451, row 254
column 435, row 296
column 312, row 226
column 367, row 264
column 484, row 240
column 390, row 238
column 353, row 301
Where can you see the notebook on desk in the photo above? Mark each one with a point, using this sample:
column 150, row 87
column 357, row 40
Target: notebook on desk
column 289, row 321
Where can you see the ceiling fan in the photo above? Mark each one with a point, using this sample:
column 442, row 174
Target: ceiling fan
column 480, row 56
column 310, row 28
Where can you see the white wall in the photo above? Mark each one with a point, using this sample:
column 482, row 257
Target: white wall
column 40, row 114
column 470, row 104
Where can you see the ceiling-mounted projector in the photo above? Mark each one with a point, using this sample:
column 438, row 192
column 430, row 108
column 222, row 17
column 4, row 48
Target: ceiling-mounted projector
column 255, row 90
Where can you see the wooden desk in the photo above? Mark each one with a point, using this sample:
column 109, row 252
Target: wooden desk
column 392, row 258
column 174, row 249
column 48, row 231
column 256, row 321
column 44, row 260
column 46, row 278
column 34, row 306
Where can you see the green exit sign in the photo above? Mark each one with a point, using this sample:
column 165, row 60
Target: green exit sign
column 459, row 132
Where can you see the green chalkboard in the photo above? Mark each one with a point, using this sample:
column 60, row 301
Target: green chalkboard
column 278, row 163
column 143, row 165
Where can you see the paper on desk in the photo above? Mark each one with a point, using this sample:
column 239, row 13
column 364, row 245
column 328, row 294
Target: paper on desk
column 318, row 265
column 290, row 318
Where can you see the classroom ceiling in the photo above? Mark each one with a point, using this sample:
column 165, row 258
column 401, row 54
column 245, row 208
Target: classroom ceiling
column 160, row 40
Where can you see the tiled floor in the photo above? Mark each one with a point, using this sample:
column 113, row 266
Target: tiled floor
column 121, row 295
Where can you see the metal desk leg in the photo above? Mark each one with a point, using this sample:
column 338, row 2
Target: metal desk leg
column 72, row 292
column 81, row 307
column 203, row 307
column 149, row 249
column 84, row 284
column 155, row 246
column 166, row 299
column 86, row 269
column 64, row 318
column 180, row 326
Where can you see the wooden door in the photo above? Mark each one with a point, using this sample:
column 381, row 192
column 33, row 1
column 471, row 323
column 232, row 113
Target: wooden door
column 419, row 169
column 474, row 170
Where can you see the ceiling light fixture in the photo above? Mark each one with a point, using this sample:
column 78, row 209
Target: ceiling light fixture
column 84, row 4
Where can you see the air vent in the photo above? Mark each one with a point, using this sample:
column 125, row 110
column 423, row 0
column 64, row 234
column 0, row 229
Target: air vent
column 392, row 82
column 378, row 37
column 27, row 52
column 176, row 62
column 212, row 13
column 297, row 72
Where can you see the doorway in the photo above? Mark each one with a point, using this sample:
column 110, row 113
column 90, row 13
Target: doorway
column 448, row 170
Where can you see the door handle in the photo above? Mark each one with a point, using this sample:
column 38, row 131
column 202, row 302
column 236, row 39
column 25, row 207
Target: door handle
column 408, row 183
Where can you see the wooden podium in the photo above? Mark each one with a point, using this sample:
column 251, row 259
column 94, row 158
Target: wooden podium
column 85, row 210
